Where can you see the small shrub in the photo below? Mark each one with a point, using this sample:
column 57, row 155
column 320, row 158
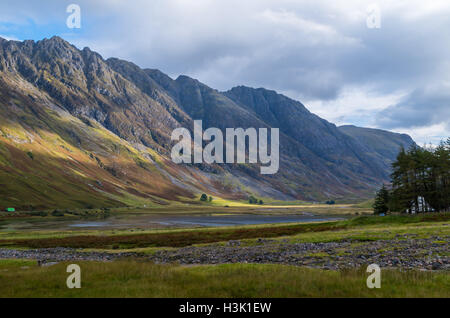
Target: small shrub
column 204, row 197
column 38, row 213
column 252, row 200
column 57, row 213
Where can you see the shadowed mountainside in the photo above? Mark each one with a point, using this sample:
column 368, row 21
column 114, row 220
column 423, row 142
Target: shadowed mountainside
column 384, row 145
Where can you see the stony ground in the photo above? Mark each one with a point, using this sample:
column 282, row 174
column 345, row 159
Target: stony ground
column 406, row 251
column 60, row 254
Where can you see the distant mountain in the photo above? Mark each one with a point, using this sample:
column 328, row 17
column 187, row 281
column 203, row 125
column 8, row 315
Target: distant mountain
column 79, row 131
column 384, row 145
column 319, row 136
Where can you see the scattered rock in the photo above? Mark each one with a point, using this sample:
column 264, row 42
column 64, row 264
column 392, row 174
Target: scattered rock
column 234, row 243
column 419, row 254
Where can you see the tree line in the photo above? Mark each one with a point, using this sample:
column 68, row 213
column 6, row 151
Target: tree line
column 420, row 181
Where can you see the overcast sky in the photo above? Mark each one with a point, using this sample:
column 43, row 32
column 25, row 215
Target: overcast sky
column 333, row 56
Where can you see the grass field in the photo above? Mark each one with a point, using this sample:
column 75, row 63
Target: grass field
column 135, row 279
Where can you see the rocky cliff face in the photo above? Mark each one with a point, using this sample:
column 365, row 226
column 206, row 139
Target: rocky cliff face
column 115, row 119
column 85, row 85
column 322, row 138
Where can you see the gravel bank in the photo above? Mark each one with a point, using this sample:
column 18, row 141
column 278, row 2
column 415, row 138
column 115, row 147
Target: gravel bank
column 425, row 254
column 404, row 252
column 60, row 254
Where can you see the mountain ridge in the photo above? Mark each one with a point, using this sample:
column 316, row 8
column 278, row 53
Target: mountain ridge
column 140, row 108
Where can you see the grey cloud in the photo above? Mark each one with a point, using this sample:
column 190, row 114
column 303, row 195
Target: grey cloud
column 314, row 49
column 423, row 107
column 287, row 45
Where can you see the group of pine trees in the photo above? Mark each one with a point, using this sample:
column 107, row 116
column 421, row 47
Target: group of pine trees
column 205, row 198
column 420, row 182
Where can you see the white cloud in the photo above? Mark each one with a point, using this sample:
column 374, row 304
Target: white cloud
column 356, row 104
column 433, row 134
column 9, row 38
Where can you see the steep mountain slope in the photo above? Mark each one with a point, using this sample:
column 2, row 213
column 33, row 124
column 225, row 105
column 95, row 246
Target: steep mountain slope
column 384, row 145
column 324, row 139
column 50, row 158
column 78, row 130
column 84, row 84
column 74, row 133
column 305, row 169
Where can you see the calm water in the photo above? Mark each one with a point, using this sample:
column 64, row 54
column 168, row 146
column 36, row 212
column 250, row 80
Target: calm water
column 231, row 220
column 165, row 221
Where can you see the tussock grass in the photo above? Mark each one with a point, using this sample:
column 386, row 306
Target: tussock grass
column 399, row 219
column 138, row 279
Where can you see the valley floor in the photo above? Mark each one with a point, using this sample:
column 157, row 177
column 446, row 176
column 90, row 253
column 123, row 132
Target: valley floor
column 325, row 259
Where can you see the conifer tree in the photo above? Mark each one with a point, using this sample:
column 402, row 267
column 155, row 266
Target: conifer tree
column 421, row 180
column 381, row 204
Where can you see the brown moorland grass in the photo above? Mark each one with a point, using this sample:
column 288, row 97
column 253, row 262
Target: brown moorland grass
column 174, row 239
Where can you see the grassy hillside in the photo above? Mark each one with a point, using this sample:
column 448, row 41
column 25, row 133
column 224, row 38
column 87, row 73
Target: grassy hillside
column 49, row 158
